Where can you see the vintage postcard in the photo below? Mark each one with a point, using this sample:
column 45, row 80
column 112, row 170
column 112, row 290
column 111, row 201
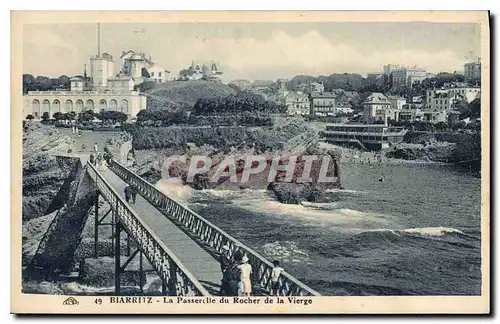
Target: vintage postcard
column 250, row 162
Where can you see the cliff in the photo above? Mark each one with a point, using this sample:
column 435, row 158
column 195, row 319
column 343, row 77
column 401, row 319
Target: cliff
column 46, row 177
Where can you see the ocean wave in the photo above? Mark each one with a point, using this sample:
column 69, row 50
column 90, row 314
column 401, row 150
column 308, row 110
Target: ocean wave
column 235, row 194
column 175, row 189
column 343, row 191
column 423, row 231
column 329, row 205
column 433, row 231
column 286, row 251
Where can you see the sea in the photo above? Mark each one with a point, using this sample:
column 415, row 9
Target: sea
column 417, row 232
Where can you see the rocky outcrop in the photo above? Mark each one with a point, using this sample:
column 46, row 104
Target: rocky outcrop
column 57, row 247
column 427, row 150
column 46, row 175
column 324, row 174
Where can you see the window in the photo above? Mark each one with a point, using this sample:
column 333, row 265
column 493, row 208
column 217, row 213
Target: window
column 159, row 74
column 152, row 74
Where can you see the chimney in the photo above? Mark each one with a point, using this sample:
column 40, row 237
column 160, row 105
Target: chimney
column 98, row 39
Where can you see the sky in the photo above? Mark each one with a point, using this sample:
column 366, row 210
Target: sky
column 256, row 51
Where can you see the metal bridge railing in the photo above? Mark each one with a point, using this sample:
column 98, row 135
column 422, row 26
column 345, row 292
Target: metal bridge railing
column 179, row 280
column 211, row 235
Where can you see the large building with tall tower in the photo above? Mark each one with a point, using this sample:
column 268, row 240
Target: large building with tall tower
column 102, row 90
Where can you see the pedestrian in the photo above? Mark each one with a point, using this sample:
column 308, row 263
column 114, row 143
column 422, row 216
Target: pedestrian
column 98, row 161
column 275, row 276
column 225, row 264
column 231, row 279
column 96, row 148
column 107, row 157
column 245, row 287
column 128, row 194
column 238, row 255
column 104, row 164
column 133, row 193
column 92, row 158
column 225, row 258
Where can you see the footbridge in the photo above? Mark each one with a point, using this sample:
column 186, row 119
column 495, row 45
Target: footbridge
column 182, row 247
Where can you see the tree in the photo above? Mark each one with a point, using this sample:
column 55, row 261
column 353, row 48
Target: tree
column 64, row 82
column 30, row 117
column 43, row 83
column 471, row 110
column 145, row 73
column 145, row 86
column 29, row 83
column 45, row 116
column 86, row 116
column 58, row 116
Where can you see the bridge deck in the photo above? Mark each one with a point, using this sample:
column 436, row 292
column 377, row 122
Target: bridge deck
column 199, row 262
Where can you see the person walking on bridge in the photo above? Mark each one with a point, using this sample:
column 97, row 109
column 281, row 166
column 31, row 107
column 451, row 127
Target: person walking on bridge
column 92, row 159
column 128, row 193
column 133, row 193
column 245, row 273
column 225, row 263
column 275, row 276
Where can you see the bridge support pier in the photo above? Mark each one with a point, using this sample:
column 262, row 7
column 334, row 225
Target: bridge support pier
column 118, row 269
column 99, row 221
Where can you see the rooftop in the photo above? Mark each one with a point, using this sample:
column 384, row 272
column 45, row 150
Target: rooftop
column 376, row 97
column 323, row 95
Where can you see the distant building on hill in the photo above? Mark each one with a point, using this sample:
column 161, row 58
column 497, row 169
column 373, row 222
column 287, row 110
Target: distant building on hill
column 297, row 103
column 377, row 108
column 201, row 71
column 472, row 72
column 141, row 68
column 405, row 77
column 456, row 92
column 311, row 87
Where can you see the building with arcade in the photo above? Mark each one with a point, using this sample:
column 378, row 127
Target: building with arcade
column 102, row 90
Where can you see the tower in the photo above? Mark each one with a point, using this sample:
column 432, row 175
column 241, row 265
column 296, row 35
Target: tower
column 101, row 65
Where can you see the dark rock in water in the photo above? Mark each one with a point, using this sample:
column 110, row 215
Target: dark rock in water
column 426, row 151
column 295, row 193
column 298, row 190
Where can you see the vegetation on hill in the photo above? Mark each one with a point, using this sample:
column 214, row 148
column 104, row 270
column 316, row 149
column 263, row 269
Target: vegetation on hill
column 243, row 101
column 264, row 138
column 177, row 95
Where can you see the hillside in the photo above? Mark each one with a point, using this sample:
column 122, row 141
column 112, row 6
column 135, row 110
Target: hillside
column 179, row 94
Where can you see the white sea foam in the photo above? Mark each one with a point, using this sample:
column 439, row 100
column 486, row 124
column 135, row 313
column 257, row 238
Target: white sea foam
column 286, row 250
column 384, row 230
column 319, row 205
column 344, row 191
column 432, row 231
column 175, row 189
column 425, row 231
column 258, row 200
